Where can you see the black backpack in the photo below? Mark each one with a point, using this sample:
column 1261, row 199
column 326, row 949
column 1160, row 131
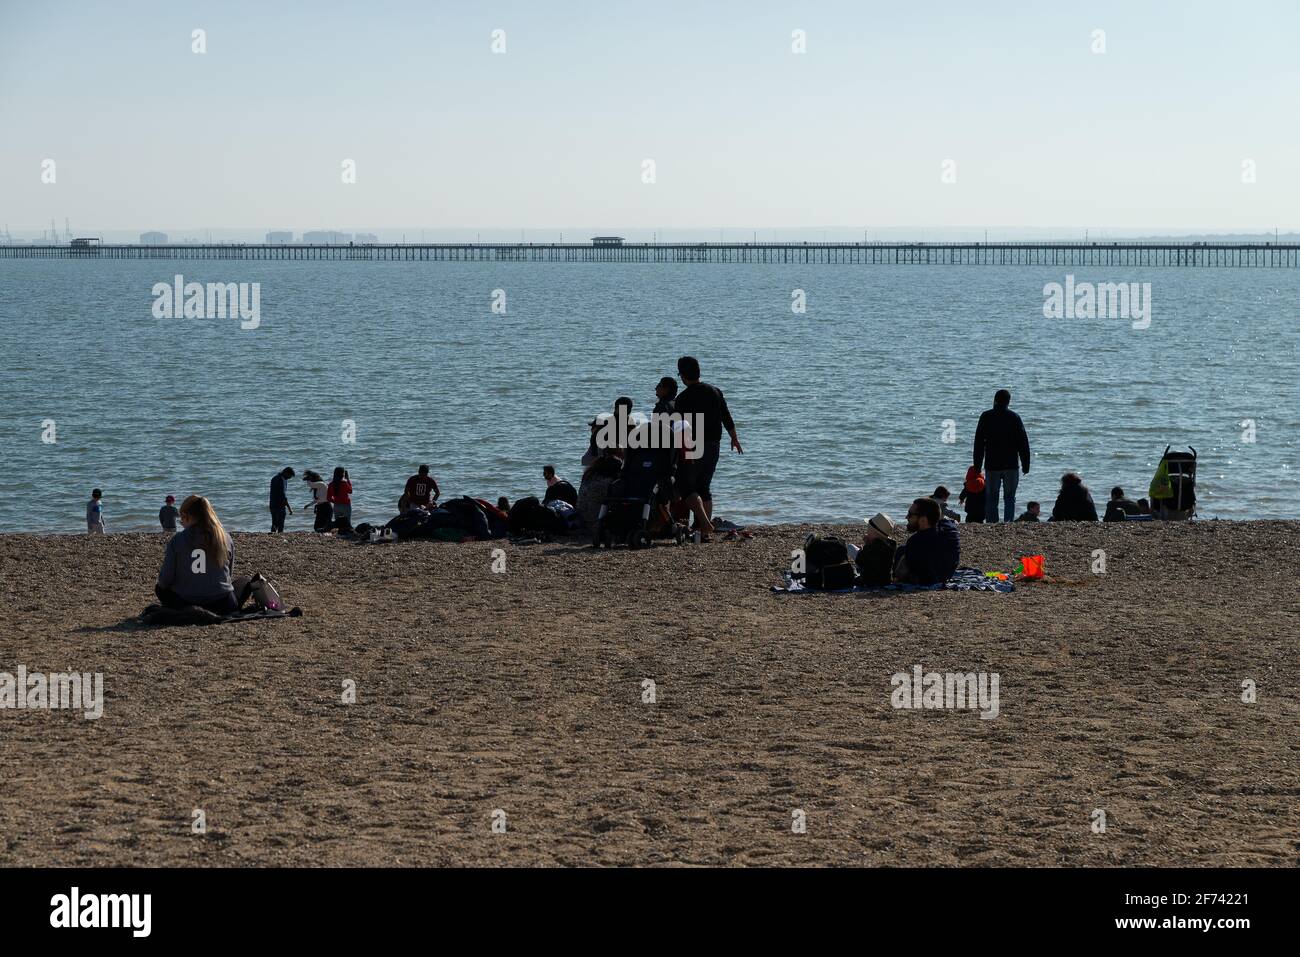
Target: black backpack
column 826, row 563
column 822, row 550
column 563, row 491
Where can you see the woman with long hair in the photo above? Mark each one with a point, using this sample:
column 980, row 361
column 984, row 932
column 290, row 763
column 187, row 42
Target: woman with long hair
column 320, row 499
column 339, row 495
column 198, row 561
column 1074, row 502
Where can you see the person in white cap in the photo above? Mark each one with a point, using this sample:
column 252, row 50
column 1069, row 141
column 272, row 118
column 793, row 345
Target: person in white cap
column 875, row 559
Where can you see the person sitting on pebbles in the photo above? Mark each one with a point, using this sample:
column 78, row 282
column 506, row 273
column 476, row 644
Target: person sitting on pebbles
column 933, row 548
column 875, row 559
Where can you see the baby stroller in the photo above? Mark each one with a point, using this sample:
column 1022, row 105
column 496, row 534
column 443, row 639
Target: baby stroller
column 1173, row 490
column 640, row 493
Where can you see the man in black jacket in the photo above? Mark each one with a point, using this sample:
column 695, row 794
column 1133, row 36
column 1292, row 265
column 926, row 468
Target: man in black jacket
column 1000, row 440
column 933, row 551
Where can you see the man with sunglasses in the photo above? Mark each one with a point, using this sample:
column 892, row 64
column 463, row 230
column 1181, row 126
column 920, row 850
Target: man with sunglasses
column 933, row 548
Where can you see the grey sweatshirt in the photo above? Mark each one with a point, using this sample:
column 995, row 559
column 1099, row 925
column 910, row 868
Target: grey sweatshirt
column 178, row 574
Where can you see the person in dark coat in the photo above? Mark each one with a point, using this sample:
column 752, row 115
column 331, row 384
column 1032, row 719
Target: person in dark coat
column 933, row 550
column 1074, row 502
column 1001, row 440
column 280, row 499
column 1119, row 508
column 875, row 559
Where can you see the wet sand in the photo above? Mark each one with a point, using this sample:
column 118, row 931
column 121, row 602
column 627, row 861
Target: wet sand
column 522, row 692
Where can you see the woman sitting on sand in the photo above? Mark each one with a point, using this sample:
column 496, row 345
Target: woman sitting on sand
column 1074, row 503
column 198, row 561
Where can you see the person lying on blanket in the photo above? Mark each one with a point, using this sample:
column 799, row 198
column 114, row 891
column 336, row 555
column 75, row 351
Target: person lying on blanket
column 197, row 563
column 875, row 559
column 932, row 550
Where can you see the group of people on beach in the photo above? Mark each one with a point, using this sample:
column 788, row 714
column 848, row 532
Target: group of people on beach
column 686, row 491
column 930, row 553
column 932, row 550
column 697, row 415
column 1001, row 457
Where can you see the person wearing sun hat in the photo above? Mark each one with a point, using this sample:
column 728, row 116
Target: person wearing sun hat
column 875, row 559
column 167, row 514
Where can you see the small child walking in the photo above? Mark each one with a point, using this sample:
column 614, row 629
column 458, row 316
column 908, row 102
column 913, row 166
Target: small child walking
column 95, row 513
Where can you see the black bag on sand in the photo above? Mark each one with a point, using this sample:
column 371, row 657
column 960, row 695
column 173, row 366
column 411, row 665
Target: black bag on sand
column 469, row 517
column 826, row 563
column 822, row 550
column 840, row 575
column 530, row 515
column 409, row 524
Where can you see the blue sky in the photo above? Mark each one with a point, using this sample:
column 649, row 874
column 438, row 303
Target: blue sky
column 743, row 132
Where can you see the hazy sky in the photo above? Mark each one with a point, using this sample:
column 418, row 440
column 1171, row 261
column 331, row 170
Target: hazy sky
column 743, row 132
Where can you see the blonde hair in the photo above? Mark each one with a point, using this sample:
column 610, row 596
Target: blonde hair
column 204, row 518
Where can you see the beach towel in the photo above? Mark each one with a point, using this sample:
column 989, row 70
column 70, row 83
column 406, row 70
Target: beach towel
column 963, row 579
column 159, row 616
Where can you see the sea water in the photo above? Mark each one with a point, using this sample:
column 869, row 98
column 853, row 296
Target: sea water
column 854, row 387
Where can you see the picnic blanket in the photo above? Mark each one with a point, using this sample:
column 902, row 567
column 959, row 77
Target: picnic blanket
column 963, row 579
column 159, row 616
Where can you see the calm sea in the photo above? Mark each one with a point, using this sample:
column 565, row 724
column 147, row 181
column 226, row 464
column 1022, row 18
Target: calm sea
column 842, row 409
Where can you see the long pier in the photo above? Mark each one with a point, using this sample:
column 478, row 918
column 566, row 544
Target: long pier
column 939, row 254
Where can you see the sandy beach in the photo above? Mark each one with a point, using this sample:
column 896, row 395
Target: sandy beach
column 522, row 692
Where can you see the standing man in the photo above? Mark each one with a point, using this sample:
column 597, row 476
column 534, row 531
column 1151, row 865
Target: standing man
column 700, row 398
column 1000, row 440
column 279, row 500
column 95, row 513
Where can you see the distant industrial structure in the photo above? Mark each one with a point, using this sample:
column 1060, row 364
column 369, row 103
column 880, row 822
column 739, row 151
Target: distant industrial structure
column 326, row 237
column 279, row 238
column 153, row 238
column 366, row 238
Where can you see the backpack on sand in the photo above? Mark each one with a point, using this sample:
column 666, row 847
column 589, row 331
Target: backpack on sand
column 264, row 594
column 826, row 563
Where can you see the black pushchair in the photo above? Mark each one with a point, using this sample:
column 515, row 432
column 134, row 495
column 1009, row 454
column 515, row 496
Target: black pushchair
column 641, row 491
column 1173, row 490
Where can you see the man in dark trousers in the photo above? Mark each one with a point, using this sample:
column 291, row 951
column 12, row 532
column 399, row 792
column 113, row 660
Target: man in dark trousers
column 706, row 400
column 1000, row 440
column 279, row 501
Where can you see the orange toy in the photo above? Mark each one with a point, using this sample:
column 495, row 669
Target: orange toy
column 1031, row 566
